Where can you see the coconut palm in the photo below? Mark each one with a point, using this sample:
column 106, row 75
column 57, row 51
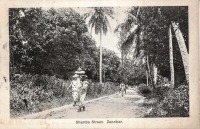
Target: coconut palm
column 98, row 19
column 136, row 28
column 132, row 32
column 171, row 56
column 183, row 49
column 178, row 21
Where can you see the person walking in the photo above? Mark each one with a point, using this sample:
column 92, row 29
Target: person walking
column 122, row 87
column 76, row 86
column 126, row 87
column 83, row 93
column 119, row 88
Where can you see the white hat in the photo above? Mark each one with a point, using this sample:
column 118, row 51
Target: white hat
column 80, row 72
column 75, row 76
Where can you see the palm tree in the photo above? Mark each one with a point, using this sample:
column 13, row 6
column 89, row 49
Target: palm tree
column 171, row 57
column 135, row 29
column 155, row 73
column 132, row 33
column 99, row 21
column 178, row 20
column 183, row 49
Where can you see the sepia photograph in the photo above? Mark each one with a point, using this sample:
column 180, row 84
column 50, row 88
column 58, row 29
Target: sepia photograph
column 99, row 62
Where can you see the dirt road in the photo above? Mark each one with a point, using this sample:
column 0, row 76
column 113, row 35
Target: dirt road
column 113, row 106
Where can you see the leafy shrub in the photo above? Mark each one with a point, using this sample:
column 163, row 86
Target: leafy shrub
column 174, row 104
column 161, row 91
column 162, row 80
column 91, row 91
column 28, row 91
column 177, row 102
column 144, row 89
column 156, row 112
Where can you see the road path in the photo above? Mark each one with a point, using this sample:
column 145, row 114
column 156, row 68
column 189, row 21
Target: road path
column 113, row 106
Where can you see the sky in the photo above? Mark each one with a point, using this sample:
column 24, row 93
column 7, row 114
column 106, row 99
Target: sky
column 110, row 40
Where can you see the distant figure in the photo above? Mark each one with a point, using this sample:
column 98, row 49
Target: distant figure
column 83, row 92
column 126, row 87
column 122, row 88
column 119, row 88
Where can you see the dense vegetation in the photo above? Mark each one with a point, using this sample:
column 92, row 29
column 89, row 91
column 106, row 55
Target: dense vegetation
column 162, row 53
column 48, row 45
column 33, row 93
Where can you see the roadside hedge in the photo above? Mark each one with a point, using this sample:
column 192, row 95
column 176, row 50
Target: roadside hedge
column 34, row 93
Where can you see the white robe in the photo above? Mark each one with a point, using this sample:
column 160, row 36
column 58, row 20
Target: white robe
column 83, row 92
column 76, row 89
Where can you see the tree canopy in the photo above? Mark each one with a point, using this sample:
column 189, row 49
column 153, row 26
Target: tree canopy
column 146, row 28
column 51, row 41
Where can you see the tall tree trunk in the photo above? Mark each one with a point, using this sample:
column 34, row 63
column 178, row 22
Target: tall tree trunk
column 171, row 57
column 122, row 56
column 149, row 73
column 144, row 62
column 103, row 76
column 183, row 49
column 100, row 63
column 147, row 78
column 155, row 73
column 148, row 68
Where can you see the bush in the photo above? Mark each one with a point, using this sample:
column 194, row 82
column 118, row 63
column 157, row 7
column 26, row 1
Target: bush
column 144, row 89
column 28, row 91
column 174, row 104
column 177, row 102
column 161, row 91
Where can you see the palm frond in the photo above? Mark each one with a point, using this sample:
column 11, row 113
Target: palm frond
column 130, row 40
column 98, row 18
column 104, row 27
column 107, row 22
column 133, row 18
column 137, row 49
column 86, row 15
column 92, row 24
column 109, row 11
column 92, row 20
column 97, row 28
column 120, row 26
